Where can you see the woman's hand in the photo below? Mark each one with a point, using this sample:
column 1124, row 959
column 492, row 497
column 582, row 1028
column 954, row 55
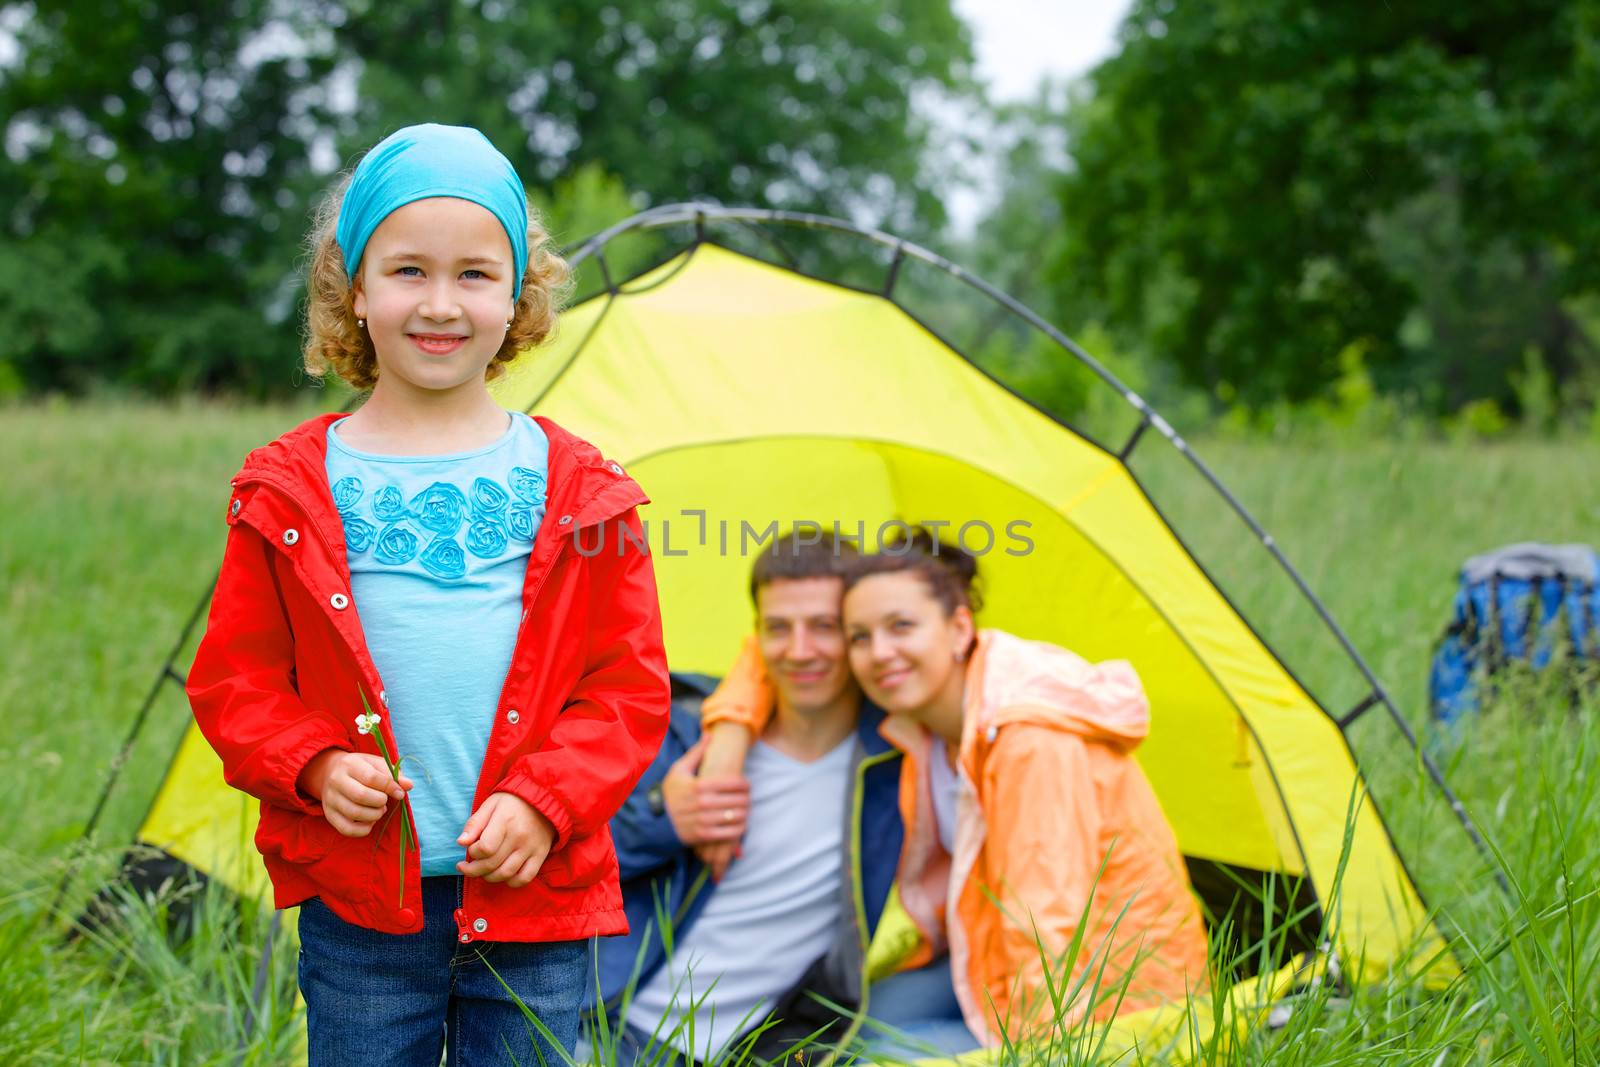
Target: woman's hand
column 354, row 787
column 727, row 745
column 507, row 840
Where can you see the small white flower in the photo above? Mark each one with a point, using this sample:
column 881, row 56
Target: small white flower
column 367, row 723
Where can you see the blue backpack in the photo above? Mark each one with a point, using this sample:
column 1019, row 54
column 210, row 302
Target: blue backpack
column 1521, row 602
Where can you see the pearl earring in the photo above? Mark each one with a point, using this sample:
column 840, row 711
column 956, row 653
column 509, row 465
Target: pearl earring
column 361, row 324
column 508, row 324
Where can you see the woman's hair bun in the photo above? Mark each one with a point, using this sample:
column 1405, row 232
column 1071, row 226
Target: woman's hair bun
column 950, row 570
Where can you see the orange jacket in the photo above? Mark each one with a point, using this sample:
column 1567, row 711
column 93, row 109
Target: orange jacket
column 1056, row 822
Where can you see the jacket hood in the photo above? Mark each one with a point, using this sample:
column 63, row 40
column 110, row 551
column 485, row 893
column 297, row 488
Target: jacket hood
column 1013, row 680
column 582, row 482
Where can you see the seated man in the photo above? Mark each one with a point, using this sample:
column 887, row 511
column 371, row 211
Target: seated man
column 792, row 914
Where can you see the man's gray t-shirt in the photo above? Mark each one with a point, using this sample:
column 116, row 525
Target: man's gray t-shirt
column 775, row 912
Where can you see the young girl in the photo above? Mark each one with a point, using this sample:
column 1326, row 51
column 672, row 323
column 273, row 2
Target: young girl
column 418, row 558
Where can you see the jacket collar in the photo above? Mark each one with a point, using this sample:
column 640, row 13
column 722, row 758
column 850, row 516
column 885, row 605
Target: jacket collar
column 581, row 482
column 868, row 729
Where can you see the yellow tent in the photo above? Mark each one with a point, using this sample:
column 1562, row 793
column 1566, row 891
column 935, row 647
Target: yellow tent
column 747, row 397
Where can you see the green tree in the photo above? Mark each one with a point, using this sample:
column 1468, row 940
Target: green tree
column 1258, row 185
column 1012, row 245
column 155, row 177
column 161, row 158
column 786, row 103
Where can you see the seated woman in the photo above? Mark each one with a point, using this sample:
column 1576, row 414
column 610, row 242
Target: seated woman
column 1029, row 826
column 1031, row 832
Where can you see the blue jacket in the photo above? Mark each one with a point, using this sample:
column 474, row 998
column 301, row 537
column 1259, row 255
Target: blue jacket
column 663, row 877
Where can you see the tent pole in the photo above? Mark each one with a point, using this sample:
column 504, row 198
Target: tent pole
column 894, row 272
column 771, row 239
column 1133, row 439
column 120, row 760
column 1377, row 687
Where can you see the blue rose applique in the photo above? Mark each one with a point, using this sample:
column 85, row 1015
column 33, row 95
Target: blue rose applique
column 443, row 558
column 488, row 499
column 358, row 534
column 346, row 492
column 486, row 538
column 397, row 544
column 528, row 484
column 523, row 522
column 388, row 505
column 439, row 508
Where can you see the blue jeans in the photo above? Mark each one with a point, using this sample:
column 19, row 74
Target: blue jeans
column 401, row 998
column 921, row 1008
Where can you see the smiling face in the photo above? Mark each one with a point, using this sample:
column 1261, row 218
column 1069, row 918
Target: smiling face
column 903, row 646
column 435, row 288
column 802, row 641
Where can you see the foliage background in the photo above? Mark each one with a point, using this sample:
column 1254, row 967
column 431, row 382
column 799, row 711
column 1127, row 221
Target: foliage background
column 161, row 159
column 1261, row 211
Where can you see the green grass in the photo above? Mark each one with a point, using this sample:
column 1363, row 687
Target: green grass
column 113, row 525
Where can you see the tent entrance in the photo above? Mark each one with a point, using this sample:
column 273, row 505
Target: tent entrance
column 716, row 506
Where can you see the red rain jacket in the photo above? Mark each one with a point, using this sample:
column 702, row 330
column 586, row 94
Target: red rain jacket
column 581, row 715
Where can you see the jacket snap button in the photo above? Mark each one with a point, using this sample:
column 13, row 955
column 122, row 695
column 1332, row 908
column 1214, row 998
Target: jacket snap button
column 465, row 938
column 480, row 925
column 339, row 601
column 233, row 508
column 512, row 716
column 383, row 697
column 290, row 536
column 616, row 469
column 565, row 520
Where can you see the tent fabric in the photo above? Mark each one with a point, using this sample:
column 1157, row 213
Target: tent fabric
column 747, row 397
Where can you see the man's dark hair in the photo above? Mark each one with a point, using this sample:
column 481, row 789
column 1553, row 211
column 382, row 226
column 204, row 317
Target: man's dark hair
column 818, row 554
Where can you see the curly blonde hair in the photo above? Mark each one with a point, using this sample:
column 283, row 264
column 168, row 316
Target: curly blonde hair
column 334, row 342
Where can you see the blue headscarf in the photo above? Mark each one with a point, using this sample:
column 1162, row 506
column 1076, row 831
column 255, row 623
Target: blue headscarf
column 432, row 160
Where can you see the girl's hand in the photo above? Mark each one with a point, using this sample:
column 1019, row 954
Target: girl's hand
column 354, row 787
column 506, row 840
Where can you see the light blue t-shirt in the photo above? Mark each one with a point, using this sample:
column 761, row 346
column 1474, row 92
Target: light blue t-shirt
column 438, row 549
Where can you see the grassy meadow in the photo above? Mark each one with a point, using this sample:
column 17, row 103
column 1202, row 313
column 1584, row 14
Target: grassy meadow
column 112, row 519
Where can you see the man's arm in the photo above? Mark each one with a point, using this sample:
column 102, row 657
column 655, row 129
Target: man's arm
column 641, row 829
